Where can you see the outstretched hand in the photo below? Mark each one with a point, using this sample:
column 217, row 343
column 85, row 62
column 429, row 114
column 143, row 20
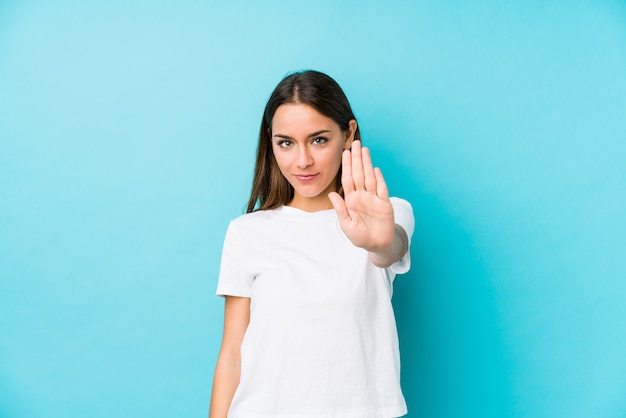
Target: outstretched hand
column 365, row 213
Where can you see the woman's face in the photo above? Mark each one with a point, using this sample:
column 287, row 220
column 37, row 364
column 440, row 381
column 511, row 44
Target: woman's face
column 308, row 146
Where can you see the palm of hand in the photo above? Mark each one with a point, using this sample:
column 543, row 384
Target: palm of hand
column 365, row 213
column 370, row 220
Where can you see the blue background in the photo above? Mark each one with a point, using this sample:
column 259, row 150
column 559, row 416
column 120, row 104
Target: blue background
column 127, row 136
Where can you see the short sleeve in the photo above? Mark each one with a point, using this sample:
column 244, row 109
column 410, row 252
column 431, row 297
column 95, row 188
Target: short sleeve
column 403, row 216
column 233, row 279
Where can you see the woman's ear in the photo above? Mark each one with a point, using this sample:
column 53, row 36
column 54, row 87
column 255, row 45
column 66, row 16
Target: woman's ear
column 350, row 133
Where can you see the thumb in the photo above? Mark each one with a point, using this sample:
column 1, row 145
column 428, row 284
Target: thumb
column 340, row 206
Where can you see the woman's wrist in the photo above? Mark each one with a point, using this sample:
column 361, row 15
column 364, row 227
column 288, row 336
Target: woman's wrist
column 394, row 252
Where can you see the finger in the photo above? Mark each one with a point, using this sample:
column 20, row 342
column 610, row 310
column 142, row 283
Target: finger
column 340, row 206
column 346, row 172
column 357, row 166
column 381, row 185
column 368, row 170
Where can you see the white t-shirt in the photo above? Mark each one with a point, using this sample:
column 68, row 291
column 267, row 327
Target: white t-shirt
column 322, row 339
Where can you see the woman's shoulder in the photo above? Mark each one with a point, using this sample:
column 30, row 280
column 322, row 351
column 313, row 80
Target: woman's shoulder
column 401, row 205
column 245, row 227
column 403, row 214
column 398, row 201
column 256, row 217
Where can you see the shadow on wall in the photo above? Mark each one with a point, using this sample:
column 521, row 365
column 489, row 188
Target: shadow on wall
column 454, row 362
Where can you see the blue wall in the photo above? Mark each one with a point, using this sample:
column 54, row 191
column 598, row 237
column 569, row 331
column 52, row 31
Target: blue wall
column 127, row 135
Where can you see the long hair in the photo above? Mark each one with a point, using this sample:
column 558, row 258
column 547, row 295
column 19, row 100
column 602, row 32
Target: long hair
column 270, row 189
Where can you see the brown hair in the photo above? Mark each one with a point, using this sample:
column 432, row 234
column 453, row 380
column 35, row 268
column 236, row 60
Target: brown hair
column 270, row 189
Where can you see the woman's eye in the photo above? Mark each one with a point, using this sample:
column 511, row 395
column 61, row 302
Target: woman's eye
column 284, row 143
column 320, row 140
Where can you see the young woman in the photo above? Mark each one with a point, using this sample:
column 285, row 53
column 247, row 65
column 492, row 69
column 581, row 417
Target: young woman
column 307, row 273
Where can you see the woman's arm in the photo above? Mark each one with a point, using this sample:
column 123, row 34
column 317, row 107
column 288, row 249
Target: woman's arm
column 394, row 252
column 366, row 213
column 227, row 369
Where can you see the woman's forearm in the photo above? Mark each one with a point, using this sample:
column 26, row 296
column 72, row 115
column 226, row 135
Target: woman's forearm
column 228, row 367
column 225, row 382
column 394, row 252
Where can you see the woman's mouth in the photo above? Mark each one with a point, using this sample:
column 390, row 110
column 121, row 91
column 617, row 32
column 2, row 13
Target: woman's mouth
column 305, row 178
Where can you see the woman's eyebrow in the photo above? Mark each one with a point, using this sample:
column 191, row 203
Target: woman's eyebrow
column 309, row 136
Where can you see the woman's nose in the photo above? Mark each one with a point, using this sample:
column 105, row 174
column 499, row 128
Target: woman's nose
column 304, row 157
